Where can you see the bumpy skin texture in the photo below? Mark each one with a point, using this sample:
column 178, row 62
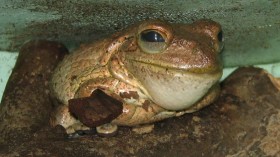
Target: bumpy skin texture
column 182, row 77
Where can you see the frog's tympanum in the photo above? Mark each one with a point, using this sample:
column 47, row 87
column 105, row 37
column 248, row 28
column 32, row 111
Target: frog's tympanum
column 156, row 69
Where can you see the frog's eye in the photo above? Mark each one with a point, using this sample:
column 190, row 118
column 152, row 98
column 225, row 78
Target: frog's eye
column 152, row 41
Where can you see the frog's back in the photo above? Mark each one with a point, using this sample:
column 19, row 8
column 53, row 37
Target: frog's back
column 75, row 69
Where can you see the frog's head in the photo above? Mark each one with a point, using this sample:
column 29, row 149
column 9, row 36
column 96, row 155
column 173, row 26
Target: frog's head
column 176, row 64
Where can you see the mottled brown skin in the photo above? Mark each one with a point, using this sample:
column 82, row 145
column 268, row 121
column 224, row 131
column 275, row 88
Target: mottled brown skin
column 154, row 80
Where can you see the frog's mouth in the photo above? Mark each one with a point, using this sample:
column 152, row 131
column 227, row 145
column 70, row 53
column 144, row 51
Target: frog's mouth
column 173, row 89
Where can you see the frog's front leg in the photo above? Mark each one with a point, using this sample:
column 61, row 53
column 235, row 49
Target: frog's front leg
column 62, row 116
column 133, row 114
column 139, row 116
column 65, row 117
column 88, row 112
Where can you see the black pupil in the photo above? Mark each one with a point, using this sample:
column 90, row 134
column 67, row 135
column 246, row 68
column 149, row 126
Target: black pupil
column 220, row 36
column 152, row 36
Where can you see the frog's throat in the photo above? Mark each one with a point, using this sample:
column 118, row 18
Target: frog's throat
column 174, row 89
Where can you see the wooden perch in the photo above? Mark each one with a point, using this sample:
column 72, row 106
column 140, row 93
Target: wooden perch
column 244, row 121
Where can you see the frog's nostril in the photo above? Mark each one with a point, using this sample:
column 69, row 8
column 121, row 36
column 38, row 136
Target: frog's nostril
column 220, row 36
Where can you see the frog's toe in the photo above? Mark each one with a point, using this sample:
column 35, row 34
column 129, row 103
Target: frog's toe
column 106, row 130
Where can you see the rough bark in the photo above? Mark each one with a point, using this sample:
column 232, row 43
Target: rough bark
column 26, row 103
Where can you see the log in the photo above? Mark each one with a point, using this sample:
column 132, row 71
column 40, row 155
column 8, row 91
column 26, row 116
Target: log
column 244, row 121
column 26, row 103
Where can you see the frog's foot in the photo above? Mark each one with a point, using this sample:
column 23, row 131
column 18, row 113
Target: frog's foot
column 143, row 129
column 106, row 130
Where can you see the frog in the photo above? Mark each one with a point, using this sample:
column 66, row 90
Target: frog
column 157, row 69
